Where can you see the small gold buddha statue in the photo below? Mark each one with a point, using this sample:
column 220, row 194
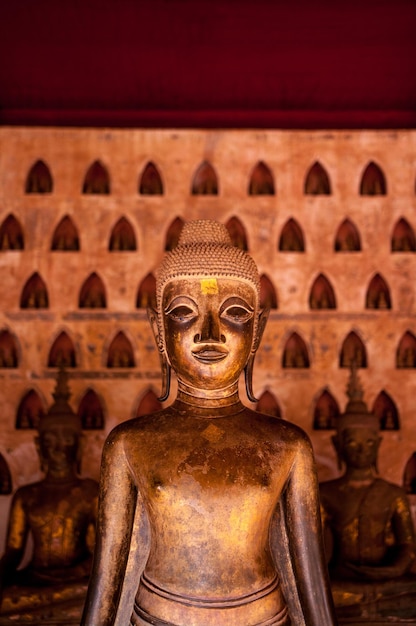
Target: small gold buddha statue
column 209, row 511
column 59, row 512
column 367, row 523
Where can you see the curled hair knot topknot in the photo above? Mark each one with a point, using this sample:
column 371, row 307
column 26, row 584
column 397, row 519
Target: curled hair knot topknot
column 205, row 249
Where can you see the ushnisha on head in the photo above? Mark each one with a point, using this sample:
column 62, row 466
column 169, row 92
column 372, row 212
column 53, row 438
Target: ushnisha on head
column 60, row 411
column 60, row 427
column 205, row 251
column 356, row 413
column 356, row 417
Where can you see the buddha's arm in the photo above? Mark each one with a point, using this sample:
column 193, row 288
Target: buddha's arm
column 304, row 574
column 16, row 540
column 117, row 502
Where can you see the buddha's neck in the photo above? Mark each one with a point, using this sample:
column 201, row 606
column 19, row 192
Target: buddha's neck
column 55, row 476
column 208, row 402
column 357, row 475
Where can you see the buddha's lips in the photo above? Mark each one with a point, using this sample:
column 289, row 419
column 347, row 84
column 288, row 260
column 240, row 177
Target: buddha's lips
column 210, row 354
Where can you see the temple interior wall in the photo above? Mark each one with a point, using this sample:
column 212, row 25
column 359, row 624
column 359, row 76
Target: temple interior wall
column 233, row 155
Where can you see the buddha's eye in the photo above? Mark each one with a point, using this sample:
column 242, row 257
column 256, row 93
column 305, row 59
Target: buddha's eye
column 180, row 311
column 236, row 312
column 351, row 443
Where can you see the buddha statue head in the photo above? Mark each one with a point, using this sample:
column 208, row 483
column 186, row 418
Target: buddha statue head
column 357, row 438
column 208, row 323
column 59, row 433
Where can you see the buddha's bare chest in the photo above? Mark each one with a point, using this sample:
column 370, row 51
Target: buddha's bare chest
column 55, row 512
column 209, row 458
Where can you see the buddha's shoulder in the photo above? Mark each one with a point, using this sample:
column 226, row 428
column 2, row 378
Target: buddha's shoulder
column 393, row 490
column 279, row 428
column 87, row 485
column 137, row 426
column 26, row 491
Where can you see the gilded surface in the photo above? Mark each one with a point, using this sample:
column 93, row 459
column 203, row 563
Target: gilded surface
column 229, row 495
column 59, row 512
column 368, row 525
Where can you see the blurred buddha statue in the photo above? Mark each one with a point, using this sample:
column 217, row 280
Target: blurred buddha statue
column 59, row 512
column 367, row 522
column 206, row 506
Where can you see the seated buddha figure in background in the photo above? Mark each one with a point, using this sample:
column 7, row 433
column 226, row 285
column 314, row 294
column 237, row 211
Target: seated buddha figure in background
column 209, row 511
column 59, row 512
column 367, row 523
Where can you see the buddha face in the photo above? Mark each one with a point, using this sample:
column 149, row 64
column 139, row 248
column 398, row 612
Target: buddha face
column 208, row 326
column 58, row 446
column 360, row 447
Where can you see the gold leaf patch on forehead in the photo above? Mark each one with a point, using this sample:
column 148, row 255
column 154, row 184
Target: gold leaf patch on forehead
column 209, row 286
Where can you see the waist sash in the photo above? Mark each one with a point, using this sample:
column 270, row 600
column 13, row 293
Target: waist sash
column 265, row 607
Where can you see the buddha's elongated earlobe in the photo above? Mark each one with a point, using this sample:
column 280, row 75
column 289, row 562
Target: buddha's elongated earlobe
column 164, row 363
column 248, row 370
column 80, row 450
column 337, row 447
column 248, row 376
column 165, row 377
column 42, row 460
column 380, row 439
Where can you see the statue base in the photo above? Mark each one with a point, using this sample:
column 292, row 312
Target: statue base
column 60, row 605
column 392, row 601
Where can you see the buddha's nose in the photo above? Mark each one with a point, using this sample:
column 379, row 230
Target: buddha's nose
column 210, row 330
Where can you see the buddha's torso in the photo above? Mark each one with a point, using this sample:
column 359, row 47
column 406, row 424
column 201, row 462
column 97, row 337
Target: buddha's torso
column 59, row 516
column 210, row 488
column 360, row 517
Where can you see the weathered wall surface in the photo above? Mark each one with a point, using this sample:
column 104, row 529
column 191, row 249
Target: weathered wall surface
column 233, row 154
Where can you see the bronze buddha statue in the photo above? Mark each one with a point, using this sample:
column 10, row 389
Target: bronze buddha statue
column 59, row 512
column 367, row 523
column 209, row 511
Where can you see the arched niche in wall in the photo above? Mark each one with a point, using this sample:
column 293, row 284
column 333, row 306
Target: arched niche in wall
column 295, row 353
column 62, row 352
column 268, row 297
column 6, row 486
column 347, row 238
column 268, row 404
column 120, row 352
column 406, row 351
column 173, row 233
column 205, row 181
column 9, row 351
column 403, row 238
column 91, row 411
column 65, row 237
column 353, row 351
column 237, row 233
column 322, row 295
column 11, row 234
column 34, row 293
column 39, row 178
column 30, row 410
column 378, row 294
column 261, row 181
column 386, row 411
column 149, row 403
column 409, row 475
column 317, row 181
column 122, row 237
column 326, row 411
column 97, row 180
column 291, row 237
column 150, row 181
column 373, row 181
column 92, row 294
column 146, row 295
